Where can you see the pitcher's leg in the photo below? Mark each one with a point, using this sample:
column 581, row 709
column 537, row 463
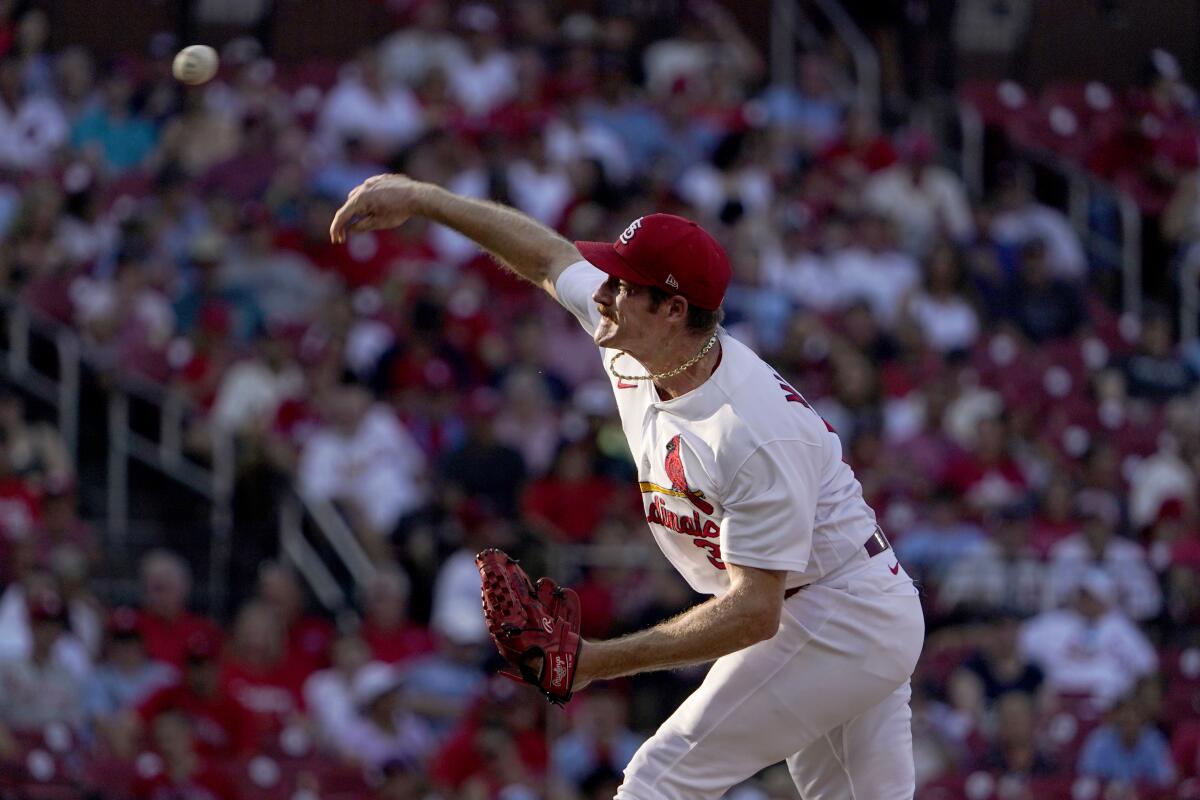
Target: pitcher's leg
column 868, row 757
column 818, row 770
column 754, row 709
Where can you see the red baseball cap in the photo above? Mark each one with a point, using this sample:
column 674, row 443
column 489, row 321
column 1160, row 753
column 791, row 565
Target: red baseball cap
column 669, row 252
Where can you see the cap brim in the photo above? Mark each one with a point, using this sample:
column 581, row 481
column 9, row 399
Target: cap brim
column 604, row 257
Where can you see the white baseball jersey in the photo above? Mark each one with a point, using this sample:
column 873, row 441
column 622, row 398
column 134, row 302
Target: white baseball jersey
column 739, row 470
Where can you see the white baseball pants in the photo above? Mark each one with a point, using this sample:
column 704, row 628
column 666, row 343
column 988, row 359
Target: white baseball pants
column 828, row 693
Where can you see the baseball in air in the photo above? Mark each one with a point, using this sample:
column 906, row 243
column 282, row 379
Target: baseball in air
column 195, row 64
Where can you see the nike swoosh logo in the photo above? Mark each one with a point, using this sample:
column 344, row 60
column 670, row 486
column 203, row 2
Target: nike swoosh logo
column 621, row 384
column 895, row 568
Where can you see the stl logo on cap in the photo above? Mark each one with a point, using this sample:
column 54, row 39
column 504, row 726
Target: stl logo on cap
column 628, row 233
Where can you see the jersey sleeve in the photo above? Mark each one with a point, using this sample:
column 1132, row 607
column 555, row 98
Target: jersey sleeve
column 771, row 507
column 574, row 287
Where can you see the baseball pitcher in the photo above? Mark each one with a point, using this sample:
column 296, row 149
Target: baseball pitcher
column 813, row 625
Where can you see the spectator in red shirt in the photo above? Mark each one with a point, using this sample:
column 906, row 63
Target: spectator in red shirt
column 568, row 504
column 256, row 673
column 1185, row 749
column 307, row 637
column 386, row 628
column 20, row 510
column 61, row 526
column 176, row 768
column 987, row 476
column 221, row 727
column 500, row 743
column 164, row 622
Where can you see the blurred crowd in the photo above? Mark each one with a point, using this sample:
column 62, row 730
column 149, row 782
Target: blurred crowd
column 1032, row 455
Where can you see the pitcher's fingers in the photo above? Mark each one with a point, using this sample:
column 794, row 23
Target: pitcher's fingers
column 337, row 228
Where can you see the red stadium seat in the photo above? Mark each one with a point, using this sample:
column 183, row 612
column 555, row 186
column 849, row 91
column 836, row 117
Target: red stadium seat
column 995, row 101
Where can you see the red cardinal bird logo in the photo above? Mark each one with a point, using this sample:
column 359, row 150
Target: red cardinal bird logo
column 674, row 464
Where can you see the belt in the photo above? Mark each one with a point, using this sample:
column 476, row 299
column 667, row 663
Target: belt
column 875, row 544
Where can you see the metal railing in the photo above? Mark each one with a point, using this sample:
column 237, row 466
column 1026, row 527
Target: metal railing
column 60, row 391
column 791, row 24
column 1085, row 193
column 296, row 510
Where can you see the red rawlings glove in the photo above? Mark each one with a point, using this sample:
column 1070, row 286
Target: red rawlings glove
column 529, row 623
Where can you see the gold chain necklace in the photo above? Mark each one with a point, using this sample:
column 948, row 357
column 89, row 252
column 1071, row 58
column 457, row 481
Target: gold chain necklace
column 659, row 376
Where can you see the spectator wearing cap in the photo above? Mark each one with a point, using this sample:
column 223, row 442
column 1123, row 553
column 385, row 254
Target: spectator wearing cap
column 384, row 728
column 40, row 689
column 1003, row 575
column 443, row 684
column 125, row 677
column 165, row 624
column 1089, row 648
column 387, row 630
column 926, row 201
column 1127, row 749
column 1097, row 547
column 253, row 389
column 220, row 725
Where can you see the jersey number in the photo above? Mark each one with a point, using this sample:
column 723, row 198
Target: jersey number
column 714, row 551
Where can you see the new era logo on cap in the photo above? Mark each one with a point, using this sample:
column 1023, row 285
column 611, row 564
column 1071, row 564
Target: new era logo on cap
column 669, row 252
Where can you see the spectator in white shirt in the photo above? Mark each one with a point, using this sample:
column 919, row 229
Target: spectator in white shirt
column 798, row 268
column 410, row 54
column 1097, row 547
column 874, row 269
column 329, row 693
column 366, row 459
column 1003, row 574
column 1021, row 219
column 487, row 79
column 924, row 199
column 539, row 187
column 32, row 127
column 948, row 321
column 1090, row 648
column 383, row 729
column 253, row 389
column 362, row 106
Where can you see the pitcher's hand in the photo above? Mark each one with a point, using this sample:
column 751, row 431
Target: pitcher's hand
column 384, row 201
